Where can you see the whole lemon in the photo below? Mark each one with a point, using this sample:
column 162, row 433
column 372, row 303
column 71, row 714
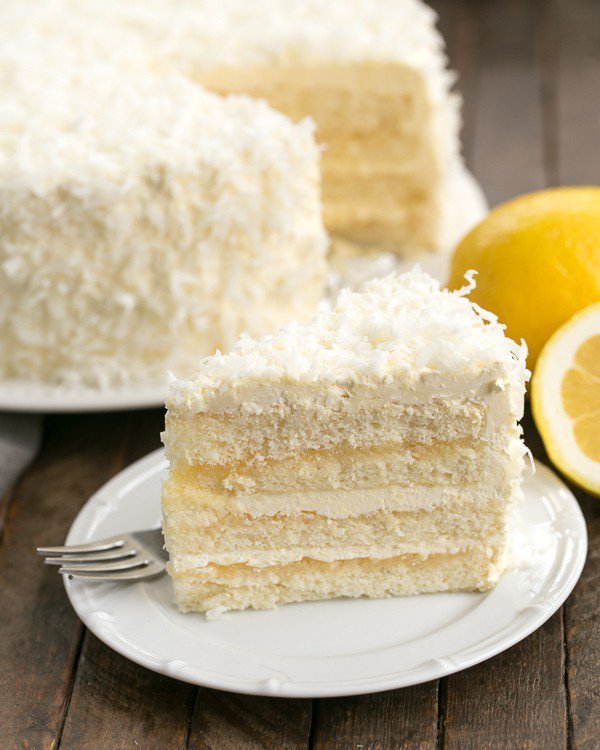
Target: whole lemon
column 538, row 261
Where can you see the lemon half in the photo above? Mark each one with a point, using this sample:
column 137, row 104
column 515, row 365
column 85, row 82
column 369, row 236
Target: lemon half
column 565, row 398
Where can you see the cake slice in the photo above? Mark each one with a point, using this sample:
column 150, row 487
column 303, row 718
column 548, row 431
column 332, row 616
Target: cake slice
column 374, row 452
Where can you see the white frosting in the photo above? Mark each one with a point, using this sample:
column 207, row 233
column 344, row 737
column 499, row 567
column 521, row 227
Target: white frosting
column 145, row 222
column 394, row 330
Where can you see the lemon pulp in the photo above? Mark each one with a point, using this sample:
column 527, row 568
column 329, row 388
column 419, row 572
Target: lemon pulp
column 580, row 392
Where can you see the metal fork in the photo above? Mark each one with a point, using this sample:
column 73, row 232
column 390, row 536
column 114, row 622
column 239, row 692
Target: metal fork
column 124, row 557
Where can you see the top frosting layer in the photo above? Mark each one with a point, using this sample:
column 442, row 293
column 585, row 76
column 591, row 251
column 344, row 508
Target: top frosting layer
column 395, row 329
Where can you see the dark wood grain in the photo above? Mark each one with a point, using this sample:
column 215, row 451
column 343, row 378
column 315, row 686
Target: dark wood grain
column 459, row 22
column 571, row 60
column 398, row 719
column 40, row 633
column 582, row 631
column 118, row 705
column 5, row 500
column 227, row 721
column 576, row 37
column 515, row 700
column 507, row 152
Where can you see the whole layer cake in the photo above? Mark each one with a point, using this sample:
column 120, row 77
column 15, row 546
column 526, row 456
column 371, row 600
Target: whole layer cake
column 371, row 73
column 373, row 452
column 145, row 223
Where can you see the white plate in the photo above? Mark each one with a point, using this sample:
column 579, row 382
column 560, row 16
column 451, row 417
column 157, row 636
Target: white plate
column 340, row 647
column 26, row 396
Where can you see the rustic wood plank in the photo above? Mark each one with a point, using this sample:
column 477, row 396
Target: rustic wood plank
column 228, row 721
column 5, row 500
column 118, row 705
column 396, row 719
column 582, row 632
column 547, row 65
column 507, row 153
column 576, row 37
column 515, row 700
column 40, row 632
column 458, row 22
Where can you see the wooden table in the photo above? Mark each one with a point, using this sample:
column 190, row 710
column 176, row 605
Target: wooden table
column 530, row 76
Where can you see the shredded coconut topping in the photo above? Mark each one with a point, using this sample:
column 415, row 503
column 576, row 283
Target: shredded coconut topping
column 395, row 328
column 146, row 222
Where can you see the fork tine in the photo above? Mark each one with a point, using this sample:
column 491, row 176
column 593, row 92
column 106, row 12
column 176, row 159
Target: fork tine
column 91, row 557
column 135, row 574
column 105, row 567
column 99, row 546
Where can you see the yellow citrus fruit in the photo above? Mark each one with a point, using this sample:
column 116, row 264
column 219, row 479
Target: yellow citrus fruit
column 565, row 398
column 538, row 261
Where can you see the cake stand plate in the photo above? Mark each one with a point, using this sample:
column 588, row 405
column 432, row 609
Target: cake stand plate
column 24, row 396
column 331, row 648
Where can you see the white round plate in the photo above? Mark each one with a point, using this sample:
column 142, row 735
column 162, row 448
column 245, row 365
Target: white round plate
column 340, row 647
column 26, row 396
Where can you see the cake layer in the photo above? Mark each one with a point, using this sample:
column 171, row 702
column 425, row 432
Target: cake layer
column 215, row 589
column 343, row 503
column 402, row 342
column 200, row 539
column 452, row 463
column 273, row 422
column 376, row 226
column 345, row 482
column 385, row 197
